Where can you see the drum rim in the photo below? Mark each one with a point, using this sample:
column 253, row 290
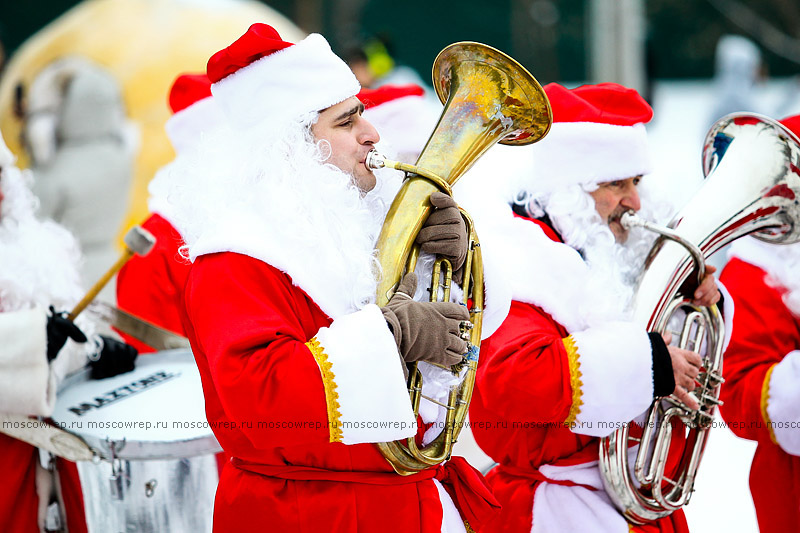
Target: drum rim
column 144, row 449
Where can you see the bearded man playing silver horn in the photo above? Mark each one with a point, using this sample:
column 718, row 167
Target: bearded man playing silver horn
column 762, row 366
column 568, row 365
column 39, row 270
column 301, row 373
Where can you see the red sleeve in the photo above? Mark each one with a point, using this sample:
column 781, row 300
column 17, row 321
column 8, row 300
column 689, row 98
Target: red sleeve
column 524, row 372
column 764, row 331
column 151, row 286
column 248, row 327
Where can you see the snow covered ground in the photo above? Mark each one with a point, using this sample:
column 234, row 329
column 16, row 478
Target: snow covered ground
column 722, row 499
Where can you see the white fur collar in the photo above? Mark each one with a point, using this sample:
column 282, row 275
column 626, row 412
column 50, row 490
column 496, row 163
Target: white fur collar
column 158, row 188
column 315, row 270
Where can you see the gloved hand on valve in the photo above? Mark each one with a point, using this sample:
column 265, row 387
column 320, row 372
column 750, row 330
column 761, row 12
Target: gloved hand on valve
column 114, row 358
column 445, row 233
column 425, row 331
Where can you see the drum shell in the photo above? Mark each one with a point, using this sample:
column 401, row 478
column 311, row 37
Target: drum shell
column 175, row 495
column 158, row 479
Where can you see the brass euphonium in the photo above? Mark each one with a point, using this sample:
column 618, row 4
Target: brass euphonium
column 752, row 187
column 488, row 98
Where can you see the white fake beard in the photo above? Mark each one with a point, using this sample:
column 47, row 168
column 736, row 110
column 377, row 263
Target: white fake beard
column 39, row 258
column 280, row 178
column 615, row 268
column 785, row 273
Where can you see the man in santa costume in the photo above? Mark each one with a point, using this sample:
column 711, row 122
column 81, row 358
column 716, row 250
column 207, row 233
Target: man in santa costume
column 568, row 365
column 301, row 372
column 39, row 279
column 762, row 371
column 151, row 286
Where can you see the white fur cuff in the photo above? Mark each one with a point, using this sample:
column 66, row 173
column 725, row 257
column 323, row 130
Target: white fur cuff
column 24, row 370
column 373, row 402
column 615, row 376
column 783, row 403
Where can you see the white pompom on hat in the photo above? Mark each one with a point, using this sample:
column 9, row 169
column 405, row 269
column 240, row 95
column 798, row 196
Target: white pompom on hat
column 195, row 112
column 261, row 77
column 598, row 135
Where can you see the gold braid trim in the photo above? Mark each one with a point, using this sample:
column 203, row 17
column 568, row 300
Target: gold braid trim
column 574, row 379
column 765, row 402
column 331, row 396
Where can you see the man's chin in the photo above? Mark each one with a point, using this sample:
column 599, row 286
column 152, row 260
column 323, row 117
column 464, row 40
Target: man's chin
column 620, row 233
column 366, row 183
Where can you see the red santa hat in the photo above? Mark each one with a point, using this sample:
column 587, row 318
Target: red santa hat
column 793, row 124
column 598, row 135
column 194, row 111
column 403, row 117
column 262, row 77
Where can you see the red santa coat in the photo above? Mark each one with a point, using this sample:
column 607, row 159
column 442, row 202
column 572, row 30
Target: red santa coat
column 296, row 399
column 24, row 383
column 547, row 389
column 762, row 368
column 151, row 286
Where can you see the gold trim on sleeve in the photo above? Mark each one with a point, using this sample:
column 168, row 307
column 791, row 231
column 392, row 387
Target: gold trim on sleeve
column 573, row 357
column 765, row 402
column 328, row 381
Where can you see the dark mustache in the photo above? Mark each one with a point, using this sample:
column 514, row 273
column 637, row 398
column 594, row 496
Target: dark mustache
column 617, row 214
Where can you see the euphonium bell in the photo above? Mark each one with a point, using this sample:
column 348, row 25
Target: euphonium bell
column 752, row 187
column 488, row 98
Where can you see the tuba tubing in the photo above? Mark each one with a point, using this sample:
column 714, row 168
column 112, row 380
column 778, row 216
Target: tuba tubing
column 752, row 188
column 488, row 98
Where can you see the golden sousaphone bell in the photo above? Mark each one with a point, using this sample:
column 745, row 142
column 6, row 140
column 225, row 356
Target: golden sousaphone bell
column 488, row 98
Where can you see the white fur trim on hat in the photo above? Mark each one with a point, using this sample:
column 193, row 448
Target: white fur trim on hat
column 581, row 153
column 187, row 126
column 286, row 84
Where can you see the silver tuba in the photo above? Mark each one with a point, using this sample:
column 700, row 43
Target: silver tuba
column 752, row 164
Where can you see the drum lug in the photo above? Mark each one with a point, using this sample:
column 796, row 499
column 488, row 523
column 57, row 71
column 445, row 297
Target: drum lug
column 115, row 484
column 117, row 479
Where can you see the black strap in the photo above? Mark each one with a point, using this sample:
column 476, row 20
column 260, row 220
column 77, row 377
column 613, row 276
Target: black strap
column 663, row 376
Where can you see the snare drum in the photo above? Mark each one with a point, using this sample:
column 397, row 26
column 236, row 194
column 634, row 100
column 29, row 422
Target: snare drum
column 155, row 469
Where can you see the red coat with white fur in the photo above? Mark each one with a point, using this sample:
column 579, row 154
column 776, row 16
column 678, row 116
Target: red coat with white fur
column 762, row 368
column 546, row 392
column 23, row 362
column 288, row 387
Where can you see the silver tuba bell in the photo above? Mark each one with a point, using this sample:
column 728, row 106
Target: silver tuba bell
column 752, row 164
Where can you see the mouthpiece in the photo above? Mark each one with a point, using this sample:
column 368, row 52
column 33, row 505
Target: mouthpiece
column 629, row 220
column 375, row 160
